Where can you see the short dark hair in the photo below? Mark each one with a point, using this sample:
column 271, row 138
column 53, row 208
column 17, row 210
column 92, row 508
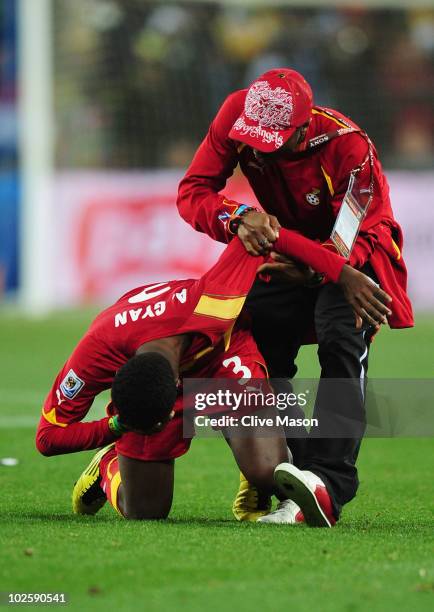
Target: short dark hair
column 144, row 390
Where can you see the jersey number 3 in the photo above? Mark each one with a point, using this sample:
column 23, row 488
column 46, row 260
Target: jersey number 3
column 238, row 368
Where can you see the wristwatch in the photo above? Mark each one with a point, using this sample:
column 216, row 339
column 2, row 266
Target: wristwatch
column 237, row 218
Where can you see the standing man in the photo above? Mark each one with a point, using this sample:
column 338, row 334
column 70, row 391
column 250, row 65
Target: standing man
column 301, row 162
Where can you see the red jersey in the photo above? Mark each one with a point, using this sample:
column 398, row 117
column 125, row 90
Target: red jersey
column 304, row 192
column 207, row 308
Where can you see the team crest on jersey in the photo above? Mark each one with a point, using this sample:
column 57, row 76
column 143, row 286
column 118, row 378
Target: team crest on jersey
column 312, row 197
column 71, row 385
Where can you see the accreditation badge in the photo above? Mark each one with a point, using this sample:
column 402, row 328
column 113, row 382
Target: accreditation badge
column 350, row 217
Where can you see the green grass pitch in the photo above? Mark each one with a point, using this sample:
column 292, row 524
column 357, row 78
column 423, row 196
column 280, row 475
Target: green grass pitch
column 379, row 557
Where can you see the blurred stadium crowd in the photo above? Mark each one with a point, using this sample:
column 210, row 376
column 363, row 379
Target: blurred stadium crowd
column 137, row 82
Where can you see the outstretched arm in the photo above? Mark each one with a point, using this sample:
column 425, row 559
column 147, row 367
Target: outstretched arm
column 311, row 253
column 366, row 298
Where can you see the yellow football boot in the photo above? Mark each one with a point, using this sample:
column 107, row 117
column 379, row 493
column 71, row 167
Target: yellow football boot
column 87, row 495
column 249, row 504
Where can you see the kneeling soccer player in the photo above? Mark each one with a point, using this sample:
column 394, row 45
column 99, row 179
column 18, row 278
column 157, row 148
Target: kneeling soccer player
column 140, row 346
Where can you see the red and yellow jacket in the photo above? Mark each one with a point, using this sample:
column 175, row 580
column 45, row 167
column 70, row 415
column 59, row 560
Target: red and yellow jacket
column 304, row 192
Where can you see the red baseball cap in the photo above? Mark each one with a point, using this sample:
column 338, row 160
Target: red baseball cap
column 276, row 104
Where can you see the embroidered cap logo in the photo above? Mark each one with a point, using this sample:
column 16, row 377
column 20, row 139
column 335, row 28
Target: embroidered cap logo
column 270, row 108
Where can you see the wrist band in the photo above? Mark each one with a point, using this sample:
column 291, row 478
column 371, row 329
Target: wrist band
column 236, row 218
column 116, row 426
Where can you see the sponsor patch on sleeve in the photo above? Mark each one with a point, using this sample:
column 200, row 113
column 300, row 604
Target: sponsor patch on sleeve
column 71, row 385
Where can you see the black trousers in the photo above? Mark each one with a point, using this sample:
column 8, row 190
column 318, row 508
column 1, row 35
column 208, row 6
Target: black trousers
column 281, row 317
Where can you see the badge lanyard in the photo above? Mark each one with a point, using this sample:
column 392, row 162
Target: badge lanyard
column 357, row 200
column 354, row 207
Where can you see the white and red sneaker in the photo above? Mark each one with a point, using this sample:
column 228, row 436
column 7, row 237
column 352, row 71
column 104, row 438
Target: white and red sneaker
column 308, row 491
column 286, row 513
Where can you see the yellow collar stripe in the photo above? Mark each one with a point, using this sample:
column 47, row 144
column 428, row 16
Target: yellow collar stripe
column 397, row 249
column 317, row 112
column 187, row 366
column 329, row 181
column 228, row 336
